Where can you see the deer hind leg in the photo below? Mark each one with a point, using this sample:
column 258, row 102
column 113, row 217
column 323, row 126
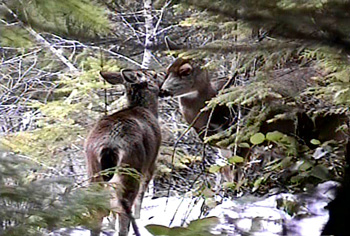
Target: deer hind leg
column 123, row 224
column 98, row 216
column 124, row 192
column 95, row 231
column 138, row 203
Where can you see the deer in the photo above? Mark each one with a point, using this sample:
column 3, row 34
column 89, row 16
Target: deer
column 192, row 85
column 128, row 138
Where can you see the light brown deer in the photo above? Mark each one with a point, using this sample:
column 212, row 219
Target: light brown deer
column 128, row 138
column 193, row 87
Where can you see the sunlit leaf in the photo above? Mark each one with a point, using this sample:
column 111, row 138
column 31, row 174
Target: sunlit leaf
column 274, row 136
column 235, row 159
column 257, row 138
column 204, row 223
column 257, row 184
column 244, row 145
column 229, row 185
column 210, row 202
column 214, row 169
column 158, row 229
column 207, row 192
column 315, row 141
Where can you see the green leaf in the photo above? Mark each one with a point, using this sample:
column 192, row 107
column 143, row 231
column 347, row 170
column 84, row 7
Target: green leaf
column 257, row 183
column 274, row 136
column 207, row 192
column 257, row 138
column 205, row 223
column 177, row 231
column 315, row 141
column 296, row 179
column 210, row 202
column 229, row 185
column 286, row 162
column 235, row 159
column 320, row 172
column 158, row 229
column 214, row 169
column 244, row 145
column 305, row 166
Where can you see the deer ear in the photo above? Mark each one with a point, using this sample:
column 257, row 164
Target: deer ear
column 119, row 77
column 129, row 76
column 185, row 69
column 112, row 77
column 171, row 45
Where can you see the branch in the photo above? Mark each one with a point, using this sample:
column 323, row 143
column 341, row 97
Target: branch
column 118, row 55
column 161, row 17
column 42, row 40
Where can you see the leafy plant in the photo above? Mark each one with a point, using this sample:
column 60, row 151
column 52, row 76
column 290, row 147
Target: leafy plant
column 32, row 205
column 196, row 227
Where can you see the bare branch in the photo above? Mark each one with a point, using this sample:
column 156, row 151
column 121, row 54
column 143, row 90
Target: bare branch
column 161, row 17
column 42, row 40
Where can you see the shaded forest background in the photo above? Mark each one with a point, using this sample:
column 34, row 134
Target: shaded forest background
column 282, row 57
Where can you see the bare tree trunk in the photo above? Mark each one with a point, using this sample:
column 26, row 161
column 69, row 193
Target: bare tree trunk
column 147, row 55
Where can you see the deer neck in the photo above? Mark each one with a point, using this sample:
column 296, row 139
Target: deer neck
column 152, row 106
column 192, row 103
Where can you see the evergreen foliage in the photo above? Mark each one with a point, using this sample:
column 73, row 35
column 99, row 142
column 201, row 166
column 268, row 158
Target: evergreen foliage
column 285, row 58
column 35, row 205
column 77, row 18
column 290, row 61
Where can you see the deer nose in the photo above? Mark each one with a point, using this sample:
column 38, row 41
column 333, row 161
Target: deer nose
column 164, row 93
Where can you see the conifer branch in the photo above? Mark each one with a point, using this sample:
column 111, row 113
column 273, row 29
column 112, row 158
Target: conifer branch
column 42, row 40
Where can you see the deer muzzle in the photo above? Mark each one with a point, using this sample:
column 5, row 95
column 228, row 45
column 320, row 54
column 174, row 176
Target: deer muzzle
column 165, row 93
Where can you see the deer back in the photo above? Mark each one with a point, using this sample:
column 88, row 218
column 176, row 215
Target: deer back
column 129, row 137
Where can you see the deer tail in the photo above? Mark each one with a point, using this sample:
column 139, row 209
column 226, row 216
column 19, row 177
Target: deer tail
column 109, row 159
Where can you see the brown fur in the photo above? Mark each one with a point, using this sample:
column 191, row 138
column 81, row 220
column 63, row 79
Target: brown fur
column 128, row 138
column 194, row 90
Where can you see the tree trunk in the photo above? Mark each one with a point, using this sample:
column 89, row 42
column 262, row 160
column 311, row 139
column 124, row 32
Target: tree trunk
column 149, row 41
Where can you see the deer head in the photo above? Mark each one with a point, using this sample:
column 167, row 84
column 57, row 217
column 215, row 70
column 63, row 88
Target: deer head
column 140, row 91
column 185, row 78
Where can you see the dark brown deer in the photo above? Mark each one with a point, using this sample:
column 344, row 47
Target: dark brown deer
column 128, row 138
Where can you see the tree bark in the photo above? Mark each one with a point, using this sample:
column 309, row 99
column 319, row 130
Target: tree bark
column 149, row 40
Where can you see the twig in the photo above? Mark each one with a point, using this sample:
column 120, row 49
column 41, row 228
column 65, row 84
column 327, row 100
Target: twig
column 174, row 150
column 42, row 40
column 183, row 198
column 160, row 17
column 118, row 55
